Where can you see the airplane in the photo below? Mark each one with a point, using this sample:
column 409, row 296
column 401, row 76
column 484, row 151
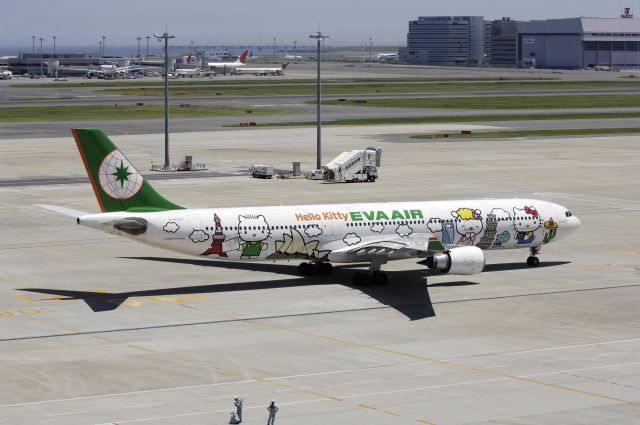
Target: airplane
column 225, row 67
column 292, row 57
column 264, row 71
column 5, row 74
column 383, row 57
column 449, row 236
column 107, row 71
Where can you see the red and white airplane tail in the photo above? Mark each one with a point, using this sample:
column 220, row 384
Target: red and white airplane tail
column 243, row 57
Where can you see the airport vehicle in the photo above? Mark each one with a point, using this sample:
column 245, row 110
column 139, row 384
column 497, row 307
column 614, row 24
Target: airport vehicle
column 315, row 175
column 6, row 74
column 262, row 171
column 354, row 166
column 231, row 67
column 263, row 71
column 448, row 236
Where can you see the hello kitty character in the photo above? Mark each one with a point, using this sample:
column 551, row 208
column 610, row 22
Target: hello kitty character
column 252, row 232
column 468, row 224
column 526, row 221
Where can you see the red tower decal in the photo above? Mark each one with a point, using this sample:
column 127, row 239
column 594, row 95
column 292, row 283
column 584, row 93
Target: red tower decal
column 218, row 238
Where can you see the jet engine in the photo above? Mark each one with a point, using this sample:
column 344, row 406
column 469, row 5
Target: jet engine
column 464, row 260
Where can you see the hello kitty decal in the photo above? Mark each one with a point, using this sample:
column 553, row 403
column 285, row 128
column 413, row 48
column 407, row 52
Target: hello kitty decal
column 525, row 222
column 468, row 224
column 253, row 230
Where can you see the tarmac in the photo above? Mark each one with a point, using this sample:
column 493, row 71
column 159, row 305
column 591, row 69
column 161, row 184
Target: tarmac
column 95, row 329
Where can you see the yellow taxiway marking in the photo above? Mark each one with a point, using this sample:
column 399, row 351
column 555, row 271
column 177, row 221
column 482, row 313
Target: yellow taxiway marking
column 413, row 356
column 424, row 421
column 46, row 322
column 391, row 412
column 137, row 347
column 366, row 406
column 104, row 338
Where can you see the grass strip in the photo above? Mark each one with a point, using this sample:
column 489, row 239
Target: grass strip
column 532, row 133
column 457, row 118
column 502, row 102
column 285, row 89
column 221, row 83
column 127, row 111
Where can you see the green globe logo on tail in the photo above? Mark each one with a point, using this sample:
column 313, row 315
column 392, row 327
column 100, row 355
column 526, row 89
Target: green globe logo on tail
column 118, row 178
column 117, row 184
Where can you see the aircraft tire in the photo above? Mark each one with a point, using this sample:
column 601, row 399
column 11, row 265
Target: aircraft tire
column 307, row 269
column 533, row 261
column 324, row 268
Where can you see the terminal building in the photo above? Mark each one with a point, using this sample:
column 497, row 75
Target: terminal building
column 445, row 40
column 572, row 43
column 580, row 43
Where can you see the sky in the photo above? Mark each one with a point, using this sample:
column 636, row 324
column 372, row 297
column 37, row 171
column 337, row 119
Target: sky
column 251, row 22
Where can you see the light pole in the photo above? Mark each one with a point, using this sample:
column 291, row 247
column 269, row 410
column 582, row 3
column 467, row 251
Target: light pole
column 165, row 36
column 100, row 48
column 295, row 48
column 370, row 48
column 274, row 50
column 54, row 45
column 139, row 39
column 41, row 56
column 319, row 37
column 33, row 41
column 104, row 44
column 147, row 55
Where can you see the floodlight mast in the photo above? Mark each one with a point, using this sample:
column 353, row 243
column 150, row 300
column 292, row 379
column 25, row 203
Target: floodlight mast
column 165, row 36
column 319, row 37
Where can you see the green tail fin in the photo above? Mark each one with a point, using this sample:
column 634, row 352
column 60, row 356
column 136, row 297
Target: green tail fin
column 117, row 184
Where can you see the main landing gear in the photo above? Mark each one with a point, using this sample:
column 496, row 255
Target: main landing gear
column 533, row 261
column 375, row 276
column 311, row 269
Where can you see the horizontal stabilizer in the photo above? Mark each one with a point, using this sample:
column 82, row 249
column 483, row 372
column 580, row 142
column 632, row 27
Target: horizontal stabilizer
column 62, row 210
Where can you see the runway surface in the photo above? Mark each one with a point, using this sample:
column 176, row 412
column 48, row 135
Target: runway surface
column 174, row 338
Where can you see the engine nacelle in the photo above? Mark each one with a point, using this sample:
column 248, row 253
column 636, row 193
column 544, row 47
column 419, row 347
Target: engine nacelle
column 464, row 260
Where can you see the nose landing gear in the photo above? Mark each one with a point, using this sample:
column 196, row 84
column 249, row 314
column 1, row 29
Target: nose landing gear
column 533, row 261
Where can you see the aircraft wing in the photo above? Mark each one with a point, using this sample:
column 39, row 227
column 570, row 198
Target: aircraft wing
column 419, row 245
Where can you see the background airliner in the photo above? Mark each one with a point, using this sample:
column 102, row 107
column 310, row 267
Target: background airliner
column 449, row 236
column 229, row 66
column 279, row 70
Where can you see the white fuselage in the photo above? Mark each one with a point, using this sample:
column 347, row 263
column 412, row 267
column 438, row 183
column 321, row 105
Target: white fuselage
column 316, row 232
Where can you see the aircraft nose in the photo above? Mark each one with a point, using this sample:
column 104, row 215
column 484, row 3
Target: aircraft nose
column 573, row 224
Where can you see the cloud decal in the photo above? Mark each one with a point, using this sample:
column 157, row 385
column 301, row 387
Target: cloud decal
column 198, row 235
column 435, row 225
column 171, row 227
column 351, row 239
column 377, row 228
column 404, row 230
column 313, row 231
column 500, row 214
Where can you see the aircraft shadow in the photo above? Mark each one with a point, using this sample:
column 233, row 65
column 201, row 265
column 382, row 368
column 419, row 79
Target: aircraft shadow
column 407, row 292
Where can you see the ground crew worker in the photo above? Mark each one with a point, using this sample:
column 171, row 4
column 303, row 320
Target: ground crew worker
column 238, row 403
column 272, row 412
